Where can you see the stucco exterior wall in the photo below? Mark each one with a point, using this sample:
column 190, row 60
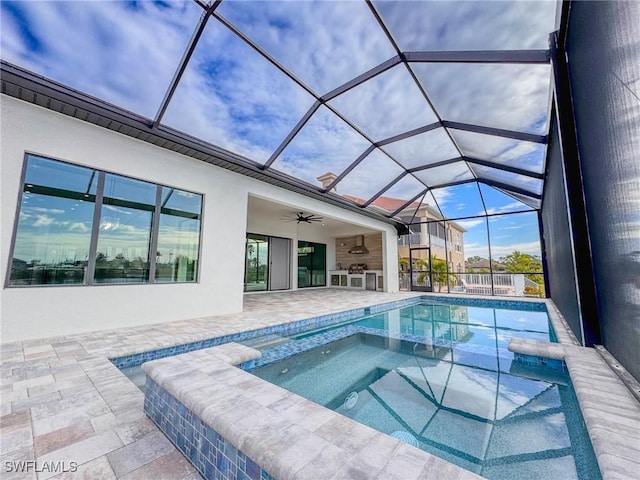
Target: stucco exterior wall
column 33, row 312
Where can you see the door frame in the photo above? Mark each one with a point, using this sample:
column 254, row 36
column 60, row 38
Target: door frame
column 420, row 288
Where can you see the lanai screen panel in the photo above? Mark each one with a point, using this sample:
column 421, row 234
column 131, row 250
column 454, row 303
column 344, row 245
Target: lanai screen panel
column 231, row 96
column 387, row 105
column 496, row 201
column 295, row 34
column 460, row 201
column 123, row 52
column 469, row 25
column 369, row 176
column 490, row 95
column 440, row 92
column 423, row 149
column 501, row 151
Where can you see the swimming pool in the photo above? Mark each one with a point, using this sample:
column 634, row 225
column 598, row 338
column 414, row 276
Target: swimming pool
column 465, row 334
column 440, row 377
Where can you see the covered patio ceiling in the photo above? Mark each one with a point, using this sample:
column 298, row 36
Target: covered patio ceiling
column 437, row 102
column 282, row 216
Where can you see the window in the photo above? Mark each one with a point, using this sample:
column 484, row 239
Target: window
column 178, row 236
column 457, row 242
column 82, row 226
column 53, row 236
column 124, row 232
column 437, row 230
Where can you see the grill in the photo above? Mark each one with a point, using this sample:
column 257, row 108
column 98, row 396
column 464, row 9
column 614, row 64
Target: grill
column 357, row 267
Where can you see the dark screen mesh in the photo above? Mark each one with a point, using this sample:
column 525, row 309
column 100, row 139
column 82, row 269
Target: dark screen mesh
column 604, row 50
column 557, row 238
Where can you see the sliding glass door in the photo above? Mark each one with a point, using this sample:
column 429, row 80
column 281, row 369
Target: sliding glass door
column 267, row 263
column 256, row 263
column 312, row 264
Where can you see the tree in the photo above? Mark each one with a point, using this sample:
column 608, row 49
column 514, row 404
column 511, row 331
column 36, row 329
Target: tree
column 518, row 262
column 423, row 266
column 403, row 265
column 438, row 272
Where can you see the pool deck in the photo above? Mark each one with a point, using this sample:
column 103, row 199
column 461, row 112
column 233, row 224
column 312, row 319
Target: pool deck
column 63, row 401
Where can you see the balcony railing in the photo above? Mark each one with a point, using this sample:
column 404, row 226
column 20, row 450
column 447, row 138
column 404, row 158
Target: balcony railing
column 510, row 284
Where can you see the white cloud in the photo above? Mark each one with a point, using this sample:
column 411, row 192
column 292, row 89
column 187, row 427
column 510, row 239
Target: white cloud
column 467, row 224
column 114, row 209
column 467, row 25
column 530, row 248
column 442, row 196
column 78, row 227
column 386, row 105
column 123, row 53
column 51, row 211
column 231, row 97
column 325, row 144
column 423, row 149
column 507, row 208
column 513, row 97
column 323, row 58
column 497, row 251
column 42, row 221
column 373, row 173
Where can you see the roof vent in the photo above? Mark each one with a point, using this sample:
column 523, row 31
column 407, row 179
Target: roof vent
column 359, row 248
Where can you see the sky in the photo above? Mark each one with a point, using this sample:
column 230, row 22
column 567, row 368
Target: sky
column 233, row 97
column 55, row 230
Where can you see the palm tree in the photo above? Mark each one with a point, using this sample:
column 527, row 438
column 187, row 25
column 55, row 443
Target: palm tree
column 403, row 264
column 439, row 273
column 423, row 267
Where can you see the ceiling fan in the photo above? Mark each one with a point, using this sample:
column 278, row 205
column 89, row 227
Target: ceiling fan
column 300, row 217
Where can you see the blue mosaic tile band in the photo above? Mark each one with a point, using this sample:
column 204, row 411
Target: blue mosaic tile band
column 300, row 326
column 488, row 303
column 540, row 361
column 211, row 454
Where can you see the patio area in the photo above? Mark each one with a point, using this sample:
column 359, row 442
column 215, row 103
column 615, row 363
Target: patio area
column 63, row 401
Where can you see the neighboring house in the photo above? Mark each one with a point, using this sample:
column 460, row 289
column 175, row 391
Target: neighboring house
column 482, row 265
column 423, row 234
column 427, row 233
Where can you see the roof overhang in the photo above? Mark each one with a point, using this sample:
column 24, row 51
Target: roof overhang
column 38, row 90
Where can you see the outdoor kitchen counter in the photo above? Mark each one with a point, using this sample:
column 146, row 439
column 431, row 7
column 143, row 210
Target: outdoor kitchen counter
column 342, row 278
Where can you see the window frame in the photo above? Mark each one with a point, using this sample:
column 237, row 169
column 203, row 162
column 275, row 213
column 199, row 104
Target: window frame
column 312, row 269
column 89, row 280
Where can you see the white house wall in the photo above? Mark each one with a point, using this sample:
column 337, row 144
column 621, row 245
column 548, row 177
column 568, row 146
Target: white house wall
column 32, row 312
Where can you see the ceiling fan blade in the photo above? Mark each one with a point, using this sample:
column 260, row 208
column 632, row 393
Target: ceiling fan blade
column 300, row 217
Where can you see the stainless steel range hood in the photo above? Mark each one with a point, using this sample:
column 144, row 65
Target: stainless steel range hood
column 359, row 248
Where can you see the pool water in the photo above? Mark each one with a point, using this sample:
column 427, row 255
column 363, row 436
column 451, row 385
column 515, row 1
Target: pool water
column 441, row 378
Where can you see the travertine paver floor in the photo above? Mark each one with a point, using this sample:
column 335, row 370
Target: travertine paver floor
column 63, row 401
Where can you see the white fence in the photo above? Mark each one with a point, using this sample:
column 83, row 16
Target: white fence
column 511, row 284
